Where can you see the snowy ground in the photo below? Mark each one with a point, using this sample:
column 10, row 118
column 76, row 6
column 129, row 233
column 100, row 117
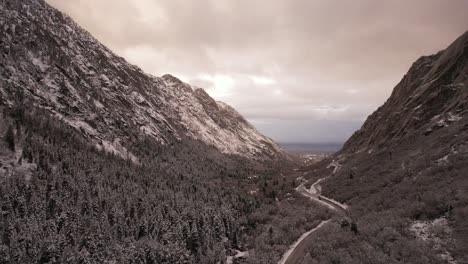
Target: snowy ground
column 239, row 254
column 436, row 232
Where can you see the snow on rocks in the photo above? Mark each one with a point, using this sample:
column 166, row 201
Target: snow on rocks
column 443, row 160
column 117, row 149
column 254, row 191
column 38, row 62
column 72, row 75
column 215, row 123
column 239, row 254
column 436, row 232
column 82, row 125
column 444, row 120
column 451, row 117
column 98, row 104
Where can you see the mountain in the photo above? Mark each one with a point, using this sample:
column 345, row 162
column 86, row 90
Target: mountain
column 182, row 178
column 60, row 67
column 404, row 174
column 431, row 96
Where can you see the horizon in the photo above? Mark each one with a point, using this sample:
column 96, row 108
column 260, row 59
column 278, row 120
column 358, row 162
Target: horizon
column 311, row 148
column 312, row 143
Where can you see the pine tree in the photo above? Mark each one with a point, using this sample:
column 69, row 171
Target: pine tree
column 354, row 228
column 10, row 138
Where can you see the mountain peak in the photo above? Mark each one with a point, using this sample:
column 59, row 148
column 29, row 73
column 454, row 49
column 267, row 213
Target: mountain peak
column 168, row 78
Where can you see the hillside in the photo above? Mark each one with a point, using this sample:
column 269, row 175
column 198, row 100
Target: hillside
column 61, row 68
column 404, row 173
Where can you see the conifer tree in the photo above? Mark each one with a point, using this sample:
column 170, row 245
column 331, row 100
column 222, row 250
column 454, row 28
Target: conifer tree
column 10, row 138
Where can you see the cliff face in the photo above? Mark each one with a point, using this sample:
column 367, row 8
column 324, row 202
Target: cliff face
column 431, row 96
column 60, row 67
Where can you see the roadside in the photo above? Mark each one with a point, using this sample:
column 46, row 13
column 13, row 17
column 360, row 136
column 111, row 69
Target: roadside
column 297, row 250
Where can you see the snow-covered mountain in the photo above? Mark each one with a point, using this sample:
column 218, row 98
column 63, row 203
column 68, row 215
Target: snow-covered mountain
column 62, row 68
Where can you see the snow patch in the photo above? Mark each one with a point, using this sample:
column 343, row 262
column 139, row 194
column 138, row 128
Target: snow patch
column 117, row 149
column 254, row 191
column 98, row 104
column 138, row 97
column 443, row 160
column 105, row 80
column 451, row 117
column 82, row 126
column 239, row 254
column 39, row 63
column 444, row 120
column 436, row 232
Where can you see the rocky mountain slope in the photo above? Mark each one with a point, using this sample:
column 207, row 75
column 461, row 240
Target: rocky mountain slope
column 60, row 67
column 405, row 170
column 431, row 96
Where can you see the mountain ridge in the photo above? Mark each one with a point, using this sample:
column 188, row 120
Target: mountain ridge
column 429, row 77
column 65, row 70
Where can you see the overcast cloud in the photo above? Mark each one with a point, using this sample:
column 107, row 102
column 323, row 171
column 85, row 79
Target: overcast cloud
column 299, row 70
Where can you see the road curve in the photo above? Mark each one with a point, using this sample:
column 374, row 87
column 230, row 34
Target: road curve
column 333, row 205
column 298, row 250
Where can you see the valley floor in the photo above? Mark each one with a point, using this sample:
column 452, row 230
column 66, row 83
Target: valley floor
column 300, row 248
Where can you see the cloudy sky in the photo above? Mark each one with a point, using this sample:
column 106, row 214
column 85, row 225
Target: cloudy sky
column 299, row 70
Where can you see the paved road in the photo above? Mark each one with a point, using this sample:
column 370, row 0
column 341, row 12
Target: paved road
column 299, row 249
column 333, row 205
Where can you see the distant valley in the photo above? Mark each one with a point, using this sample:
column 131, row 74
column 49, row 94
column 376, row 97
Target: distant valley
column 311, row 148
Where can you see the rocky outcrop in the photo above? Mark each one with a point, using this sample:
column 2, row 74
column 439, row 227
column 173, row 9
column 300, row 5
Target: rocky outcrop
column 432, row 95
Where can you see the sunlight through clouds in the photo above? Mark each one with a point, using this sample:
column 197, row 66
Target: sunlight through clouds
column 222, row 85
column 260, row 80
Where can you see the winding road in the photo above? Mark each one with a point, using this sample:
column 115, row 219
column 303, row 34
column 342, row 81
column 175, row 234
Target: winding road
column 314, row 194
column 299, row 249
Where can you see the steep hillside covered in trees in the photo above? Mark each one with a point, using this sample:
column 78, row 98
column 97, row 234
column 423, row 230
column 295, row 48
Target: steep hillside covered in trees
column 62, row 200
column 404, row 174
